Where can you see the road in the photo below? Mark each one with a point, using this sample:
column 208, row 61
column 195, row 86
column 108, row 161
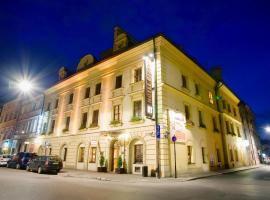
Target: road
column 22, row 185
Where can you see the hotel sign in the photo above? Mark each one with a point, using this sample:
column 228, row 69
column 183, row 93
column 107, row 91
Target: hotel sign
column 148, row 89
column 177, row 126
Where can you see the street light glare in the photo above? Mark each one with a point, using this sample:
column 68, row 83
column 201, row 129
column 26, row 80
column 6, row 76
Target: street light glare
column 267, row 129
column 25, row 86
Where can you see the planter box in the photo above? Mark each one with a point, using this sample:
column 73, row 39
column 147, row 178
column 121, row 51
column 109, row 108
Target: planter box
column 120, row 171
column 102, row 169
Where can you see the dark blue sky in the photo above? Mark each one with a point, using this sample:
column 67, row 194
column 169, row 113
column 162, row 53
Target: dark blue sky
column 39, row 36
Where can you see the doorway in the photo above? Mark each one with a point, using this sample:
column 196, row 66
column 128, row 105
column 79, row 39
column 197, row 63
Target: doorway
column 115, row 153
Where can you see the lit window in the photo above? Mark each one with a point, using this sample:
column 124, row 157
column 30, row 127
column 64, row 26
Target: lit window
column 81, row 154
column 93, row 154
column 116, row 113
column 137, row 108
column 210, row 95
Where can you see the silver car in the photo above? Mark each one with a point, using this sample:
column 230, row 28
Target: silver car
column 3, row 159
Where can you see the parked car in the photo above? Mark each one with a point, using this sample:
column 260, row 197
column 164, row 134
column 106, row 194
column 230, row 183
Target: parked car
column 43, row 164
column 4, row 159
column 20, row 160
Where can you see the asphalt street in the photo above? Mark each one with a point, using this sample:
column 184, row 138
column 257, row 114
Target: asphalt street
column 22, row 185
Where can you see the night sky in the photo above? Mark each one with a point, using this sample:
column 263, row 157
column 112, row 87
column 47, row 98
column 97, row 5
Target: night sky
column 37, row 37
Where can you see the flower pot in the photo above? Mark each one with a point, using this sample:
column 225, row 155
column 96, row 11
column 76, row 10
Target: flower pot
column 102, row 169
column 120, row 170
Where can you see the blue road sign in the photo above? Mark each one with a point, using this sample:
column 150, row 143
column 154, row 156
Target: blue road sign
column 174, row 138
column 158, row 131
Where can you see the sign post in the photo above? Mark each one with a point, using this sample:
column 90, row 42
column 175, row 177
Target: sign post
column 174, row 140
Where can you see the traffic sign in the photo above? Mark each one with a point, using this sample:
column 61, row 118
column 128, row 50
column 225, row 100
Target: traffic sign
column 158, row 131
column 174, row 138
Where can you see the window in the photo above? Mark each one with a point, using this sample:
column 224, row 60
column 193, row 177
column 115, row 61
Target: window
column 187, row 112
column 67, row 123
column 232, row 129
column 184, row 81
column 87, row 93
column 189, row 154
column 218, row 155
column 98, row 89
column 215, row 128
column 84, row 120
column 48, row 107
column 44, row 129
column 236, row 155
column 56, row 104
column 238, row 131
column 210, row 95
column 93, row 154
column 227, row 127
column 229, row 107
column 50, row 151
column 197, row 89
column 201, row 123
column 137, row 108
column 224, row 104
column 52, row 126
column 95, row 117
column 116, row 113
column 81, row 154
column 70, row 100
column 65, row 154
column 137, row 75
column 231, row 155
column 118, row 82
column 138, row 149
column 203, row 155
column 234, row 112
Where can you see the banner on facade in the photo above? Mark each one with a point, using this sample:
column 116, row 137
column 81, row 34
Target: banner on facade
column 177, row 126
column 148, row 89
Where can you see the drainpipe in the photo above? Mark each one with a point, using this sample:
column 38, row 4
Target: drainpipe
column 156, row 111
column 223, row 136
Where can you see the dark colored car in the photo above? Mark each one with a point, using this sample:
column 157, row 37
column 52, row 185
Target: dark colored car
column 45, row 164
column 20, row 160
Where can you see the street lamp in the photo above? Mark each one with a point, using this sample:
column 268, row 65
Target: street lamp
column 267, row 129
column 25, row 86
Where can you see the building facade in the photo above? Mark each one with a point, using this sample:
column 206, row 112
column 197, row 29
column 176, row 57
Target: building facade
column 117, row 107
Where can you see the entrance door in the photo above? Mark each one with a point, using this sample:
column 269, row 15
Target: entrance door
column 115, row 155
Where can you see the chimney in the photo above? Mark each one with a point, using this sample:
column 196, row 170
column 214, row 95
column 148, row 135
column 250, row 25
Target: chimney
column 62, row 73
column 216, row 73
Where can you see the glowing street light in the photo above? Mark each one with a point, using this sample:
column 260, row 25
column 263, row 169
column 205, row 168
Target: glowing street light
column 25, row 86
column 267, row 129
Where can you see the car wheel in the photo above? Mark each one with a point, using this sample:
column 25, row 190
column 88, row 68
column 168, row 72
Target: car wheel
column 39, row 170
column 18, row 166
column 27, row 168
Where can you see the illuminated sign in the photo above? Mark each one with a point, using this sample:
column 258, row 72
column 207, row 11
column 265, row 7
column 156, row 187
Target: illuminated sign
column 148, row 89
column 177, row 126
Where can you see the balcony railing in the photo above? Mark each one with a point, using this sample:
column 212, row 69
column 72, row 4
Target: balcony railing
column 118, row 92
column 85, row 102
column 95, row 99
column 136, row 87
column 69, row 107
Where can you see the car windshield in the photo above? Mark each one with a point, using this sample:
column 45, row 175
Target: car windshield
column 54, row 158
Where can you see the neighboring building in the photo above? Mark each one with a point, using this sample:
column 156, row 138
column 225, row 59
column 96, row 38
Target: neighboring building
column 8, row 123
column 28, row 123
column 109, row 108
column 248, row 120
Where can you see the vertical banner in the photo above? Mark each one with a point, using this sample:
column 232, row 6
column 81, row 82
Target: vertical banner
column 177, row 126
column 148, row 89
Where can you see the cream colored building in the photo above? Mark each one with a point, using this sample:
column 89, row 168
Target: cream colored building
column 101, row 110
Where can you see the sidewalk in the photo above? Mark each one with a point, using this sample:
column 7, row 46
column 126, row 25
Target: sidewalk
column 131, row 178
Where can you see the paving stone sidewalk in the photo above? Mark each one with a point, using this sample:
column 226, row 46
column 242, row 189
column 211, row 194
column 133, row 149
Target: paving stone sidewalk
column 131, row 178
